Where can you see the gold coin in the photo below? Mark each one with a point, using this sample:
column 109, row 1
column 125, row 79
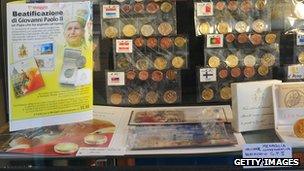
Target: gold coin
column 170, row 96
column 180, row 42
column 165, row 28
column 270, row 38
column 298, row 128
column 225, row 93
column 178, row 62
column 151, row 97
column 223, row 27
column 166, row 7
column 207, row 94
column 204, row 28
column 301, row 58
column 142, row 64
column 134, row 97
column 129, row 30
column 111, row 32
column 232, row 61
column 147, row 30
column 160, row 63
column 263, row 70
column 214, row 62
column 268, row 59
column 260, row 4
column 116, row 98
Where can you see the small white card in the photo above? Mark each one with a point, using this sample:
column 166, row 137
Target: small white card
column 215, row 40
column 207, row 75
column 110, row 11
column 300, row 39
column 124, row 46
column 204, row 9
column 295, row 72
column 116, row 78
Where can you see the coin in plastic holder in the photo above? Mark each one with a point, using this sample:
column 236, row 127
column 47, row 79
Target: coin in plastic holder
column 160, row 63
column 166, row 7
column 123, row 63
column 95, row 139
column 151, row 97
column 225, row 93
column 157, row 76
column 143, row 75
column 270, row 38
column 232, row 5
column 166, row 42
column 235, row 72
column 249, row 61
column 298, row 128
column 180, row 42
column 220, row 6
column 165, row 28
column 139, row 7
column 147, row 30
column 116, row 98
column 230, row 38
column 134, row 97
column 111, row 32
column 268, row 59
column 152, row 42
column 223, row 27
column 223, row 73
column 260, row 4
column 204, row 28
column 139, row 42
column 126, row 8
column 131, row 75
column 178, row 62
column 242, row 38
column 241, row 27
column 207, row 94
column 152, row 7
column 256, row 39
column 142, row 64
column 214, row 62
column 301, row 57
column 259, row 26
column 246, row 6
column 263, row 70
column 66, row 148
column 129, row 30
column 170, row 96
column 171, row 75
column 249, row 72
column 69, row 73
column 232, row 61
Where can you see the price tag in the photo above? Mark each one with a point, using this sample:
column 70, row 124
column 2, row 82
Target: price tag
column 204, row 9
column 110, row 11
column 116, row 78
column 124, row 46
column 295, row 72
column 215, row 40
column 207, row 74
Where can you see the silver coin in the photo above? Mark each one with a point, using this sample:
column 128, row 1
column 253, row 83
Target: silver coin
column 81, row 62
column 69, row 73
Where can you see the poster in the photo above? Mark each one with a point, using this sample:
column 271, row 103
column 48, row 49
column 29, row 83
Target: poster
column 49, row 63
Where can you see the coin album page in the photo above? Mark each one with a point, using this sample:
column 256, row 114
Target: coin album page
column 288, row 110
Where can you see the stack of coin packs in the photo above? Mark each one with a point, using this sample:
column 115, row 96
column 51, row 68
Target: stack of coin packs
column 152, row 53
column 129, row 18
column 232, row 16
column 145, row 88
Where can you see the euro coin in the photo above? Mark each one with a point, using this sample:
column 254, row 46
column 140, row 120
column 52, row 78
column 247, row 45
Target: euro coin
column 166, row 7
column 207, row 94
column 268, row 60
column 170, row 96
column 232, row 61
column 178, row 62
column 249, row 61
column 301, row 58
column 165, row 28
column 241, row 27
column 270, row 38
column 225, row 93
column 134, row 97
column 223, row 27
column 259, row 26
column 66, row 148
column 214, row 62
column 249, row 72
column 204, row 28
column 263, row 70
column 298, row 128
column 160, row 63
column 111, row 32
column 151, row 97
column 147, row 30
column 180, row 42
column 129, row 30
column 116, row 98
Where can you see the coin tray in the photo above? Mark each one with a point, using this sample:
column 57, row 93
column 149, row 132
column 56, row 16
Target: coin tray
column 231, row 17
column 138, row 19
column 221, row 82
column 148, row 54
column 160, row 83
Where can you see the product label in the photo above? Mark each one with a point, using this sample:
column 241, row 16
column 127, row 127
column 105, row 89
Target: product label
column 204, row 9
column 215, row 40
column 110, row 11
column 300, row 39
column 116, row 78
column 295, row 72
column 207, row 75
column 124, row 46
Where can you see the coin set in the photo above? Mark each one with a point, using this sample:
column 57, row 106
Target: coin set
column 146, row 88
column 154, row 53
column 232, row 16
column 138, row 18
column 214, row 92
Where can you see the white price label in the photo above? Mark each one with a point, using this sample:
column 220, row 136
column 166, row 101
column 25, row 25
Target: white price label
column 116, row 78
column 207, row 74
column 124, row 46
column 204, row 9
column 215, row 40
column 110, row 11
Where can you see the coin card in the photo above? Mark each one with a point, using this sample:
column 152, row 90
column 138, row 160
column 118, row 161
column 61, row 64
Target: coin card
column 68, row 74
column 294, row 72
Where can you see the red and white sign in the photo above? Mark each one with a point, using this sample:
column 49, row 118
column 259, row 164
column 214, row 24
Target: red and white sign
column 204, row 9
column 124, row 46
